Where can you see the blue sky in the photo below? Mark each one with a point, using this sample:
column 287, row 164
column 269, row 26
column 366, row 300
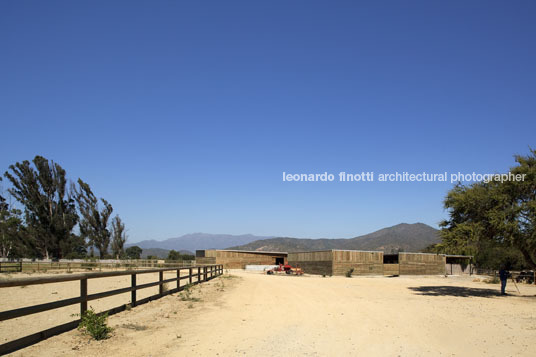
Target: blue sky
column 185, row 114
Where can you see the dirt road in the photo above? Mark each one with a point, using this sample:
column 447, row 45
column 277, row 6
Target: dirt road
column 260, row 315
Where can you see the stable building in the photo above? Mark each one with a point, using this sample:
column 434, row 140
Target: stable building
column 338, row 262
column 238, row 259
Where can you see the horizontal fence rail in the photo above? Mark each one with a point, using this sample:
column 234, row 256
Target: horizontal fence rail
column 40, row 266
column 9, row 267
column 201, row 273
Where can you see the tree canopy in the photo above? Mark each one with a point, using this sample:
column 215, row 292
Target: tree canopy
column 495, row 217
column 133, row 252
column 51, row 212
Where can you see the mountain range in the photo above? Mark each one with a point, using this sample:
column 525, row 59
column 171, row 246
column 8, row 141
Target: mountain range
column 402, row 237
column 192, row 242
column 405, row 237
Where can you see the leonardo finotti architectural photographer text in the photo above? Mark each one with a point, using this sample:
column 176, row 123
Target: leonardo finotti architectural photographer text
column 369, row 176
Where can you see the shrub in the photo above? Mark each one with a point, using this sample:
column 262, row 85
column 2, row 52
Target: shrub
column 95, row 325
column 493, row 280
column 348, row 274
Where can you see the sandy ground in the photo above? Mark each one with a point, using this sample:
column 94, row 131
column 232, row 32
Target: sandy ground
column 259, row 315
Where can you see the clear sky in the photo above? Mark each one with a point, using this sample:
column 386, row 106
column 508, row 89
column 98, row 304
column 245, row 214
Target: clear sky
column 184, row 114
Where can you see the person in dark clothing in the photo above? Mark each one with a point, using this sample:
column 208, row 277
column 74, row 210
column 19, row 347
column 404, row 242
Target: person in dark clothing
column 503, row 275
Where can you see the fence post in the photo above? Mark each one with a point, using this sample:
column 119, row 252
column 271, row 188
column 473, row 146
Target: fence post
column 161, row 285
column 178, row 279
column 190, row 277
column 205, row 277
column 83, row 295
column 133, row 292
column 198, row 274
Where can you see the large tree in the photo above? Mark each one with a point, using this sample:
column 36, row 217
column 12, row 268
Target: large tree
column 49, row 210
column 94, row 221
column 119, row 237
column 11, row 230
column 134, row 252
column 494, row 214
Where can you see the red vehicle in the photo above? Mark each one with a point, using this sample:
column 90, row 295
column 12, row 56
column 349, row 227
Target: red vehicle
column 285, row 268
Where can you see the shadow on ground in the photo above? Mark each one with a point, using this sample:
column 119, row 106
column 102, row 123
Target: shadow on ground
column 458, row 291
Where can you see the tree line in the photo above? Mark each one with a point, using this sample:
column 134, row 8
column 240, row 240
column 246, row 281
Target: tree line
column 58, row 219
column 494, row 221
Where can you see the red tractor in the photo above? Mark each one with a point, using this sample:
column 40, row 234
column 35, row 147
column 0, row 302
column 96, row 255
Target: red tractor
column 285, row 269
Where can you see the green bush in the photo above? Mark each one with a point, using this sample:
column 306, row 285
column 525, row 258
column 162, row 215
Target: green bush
column 348, row 274
column 493, row 280
column 95, row 325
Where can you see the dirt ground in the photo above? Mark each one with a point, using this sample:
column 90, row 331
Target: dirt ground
column 248, row 313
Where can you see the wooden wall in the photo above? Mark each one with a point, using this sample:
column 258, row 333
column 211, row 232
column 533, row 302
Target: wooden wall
column 205, row 260
column 391, row 269
column 320, row 262
column 363, row 263
column 421, row 264
column 238, row 260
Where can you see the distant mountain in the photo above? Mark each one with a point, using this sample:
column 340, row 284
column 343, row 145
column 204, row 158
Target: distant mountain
column 406, row 237
column 160, row 253
column 194, row 241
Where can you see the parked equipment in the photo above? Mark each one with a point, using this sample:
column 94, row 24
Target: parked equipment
column 285, row 269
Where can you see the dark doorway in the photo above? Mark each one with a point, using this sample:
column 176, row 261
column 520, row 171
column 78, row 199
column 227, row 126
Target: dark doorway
column 279, row 261
column 390, row 259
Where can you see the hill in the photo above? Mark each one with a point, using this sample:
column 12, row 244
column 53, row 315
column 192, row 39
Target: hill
column 405, row 237
column 194, row 241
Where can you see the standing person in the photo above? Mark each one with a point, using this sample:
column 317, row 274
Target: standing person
column 503, row 275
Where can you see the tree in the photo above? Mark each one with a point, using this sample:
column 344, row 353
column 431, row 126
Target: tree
column 133, row 252
column 494, row 215
column 174, row 255
column 94, row 222
column 119, row 237
column 10, row 230
column 49, row 210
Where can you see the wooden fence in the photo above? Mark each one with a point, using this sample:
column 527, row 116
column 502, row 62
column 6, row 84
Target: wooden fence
column 10, row 267
column 39, row 266
column 201, row 274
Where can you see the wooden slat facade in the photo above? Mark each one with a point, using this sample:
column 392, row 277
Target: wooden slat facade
column 421, row 264
column 391, row 269
column 232, row 259
column 320, row 262
column 338, row 262
column 363, row 263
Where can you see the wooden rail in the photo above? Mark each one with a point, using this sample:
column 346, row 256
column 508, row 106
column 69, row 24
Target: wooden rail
column 38, row 266
column 9, row 267
column 202, row 273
